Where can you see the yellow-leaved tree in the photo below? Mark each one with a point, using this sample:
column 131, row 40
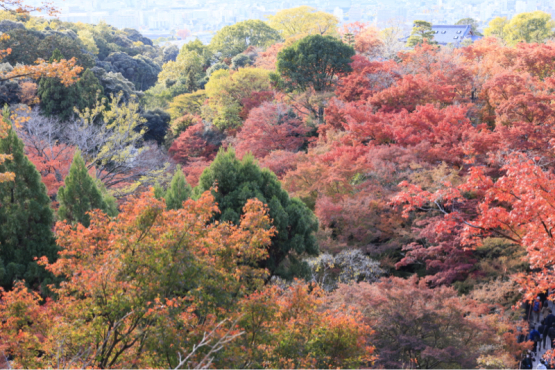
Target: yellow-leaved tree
column 228, row 91
column 524, row 27
column 303, row 20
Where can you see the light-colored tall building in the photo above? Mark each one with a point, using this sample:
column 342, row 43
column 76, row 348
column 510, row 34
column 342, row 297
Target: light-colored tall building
column 338, row 12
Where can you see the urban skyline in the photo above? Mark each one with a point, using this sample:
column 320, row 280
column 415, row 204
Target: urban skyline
column 163, row 18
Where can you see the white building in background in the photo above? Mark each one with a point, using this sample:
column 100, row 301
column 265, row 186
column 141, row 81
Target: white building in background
column 531, row 6
column 486, row 11
column 95, row 17
column 164, row 19
column 124, row 19
column 385, row 17
column 196, row 15
column 76, row 17
column 520, row 6
column 355, row 13
column 338, row 12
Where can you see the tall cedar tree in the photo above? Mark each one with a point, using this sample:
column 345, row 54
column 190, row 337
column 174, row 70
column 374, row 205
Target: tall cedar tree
column 237, row 182
column 80, row 194
column 25, row 217
column 59, row 100
column 179, row 190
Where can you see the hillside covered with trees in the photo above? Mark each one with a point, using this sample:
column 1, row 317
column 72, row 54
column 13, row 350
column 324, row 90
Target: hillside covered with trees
column 295, row 194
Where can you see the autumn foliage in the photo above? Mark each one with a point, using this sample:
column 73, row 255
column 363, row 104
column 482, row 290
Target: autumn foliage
column 268, row 128
column 415, row 326
column 142, row 289
column 435, row 119
column 433, row 165
column 124, row 255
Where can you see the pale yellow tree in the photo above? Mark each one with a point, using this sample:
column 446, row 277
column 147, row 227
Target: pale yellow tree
column 226, row 91
column 8, row 16
column 303, row 20
column 524, row 27
column 496, row 27
column 529, row 27
column 87, row 38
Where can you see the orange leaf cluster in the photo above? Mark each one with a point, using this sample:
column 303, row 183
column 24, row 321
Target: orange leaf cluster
column 123, row 284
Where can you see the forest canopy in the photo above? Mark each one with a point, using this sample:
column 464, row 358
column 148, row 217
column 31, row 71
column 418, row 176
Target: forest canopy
column 297, row 193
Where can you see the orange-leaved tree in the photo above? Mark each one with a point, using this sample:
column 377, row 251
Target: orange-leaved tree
column 66, row 70
column 293, row 327
column 23, row 325
column 140, row 289
column 19, row 7
column 168, row 288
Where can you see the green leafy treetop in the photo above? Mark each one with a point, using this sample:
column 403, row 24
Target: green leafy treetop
column 179, row 190
column 56, row 56
column 81, row 194
column 238, row 181
column 61, row 101
column 313, row 62
column 25, row 218
column 472, row 22
column 421, row 31
column 158, row 191
column 234, row 39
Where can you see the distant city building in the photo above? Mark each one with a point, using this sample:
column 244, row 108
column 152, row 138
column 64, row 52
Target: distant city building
column 355, row 13
column 75, row 17
column 384, row 17
column 338, row 12
column 205, row 17
column 520, row 6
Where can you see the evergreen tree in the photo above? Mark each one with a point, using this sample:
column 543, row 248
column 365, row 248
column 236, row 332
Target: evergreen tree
column 59, row 100
column 313, row 62
column 237, row 181
column 25, row 218
column 110, row 200
column 80, row 194
column 421, row 31
column 88, row 89
column 159, row 192
column 179, row 190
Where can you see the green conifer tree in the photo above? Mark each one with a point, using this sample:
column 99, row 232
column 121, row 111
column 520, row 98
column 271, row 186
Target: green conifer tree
column 111, row 202
column 238, row 181
column 179, row 190
column 26, row 218
column 159, row 191
column 421, row 31
column 61, row 101
column 80, row 194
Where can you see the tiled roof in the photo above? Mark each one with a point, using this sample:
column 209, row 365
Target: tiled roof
column 445, row 34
